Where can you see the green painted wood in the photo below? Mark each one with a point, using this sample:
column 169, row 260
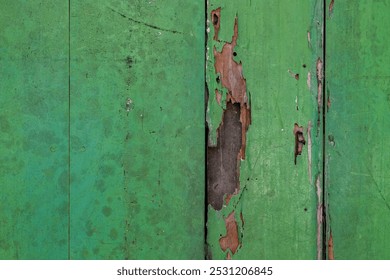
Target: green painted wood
column 275, row 209
column 357, row 150
column 137, row 129
column 34, row 130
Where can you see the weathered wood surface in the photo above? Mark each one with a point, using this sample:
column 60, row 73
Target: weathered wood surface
column 357, row 138
column 34, row 186
column 102, row 144
column 262, row 57
column 137, row 129
column 129, row 123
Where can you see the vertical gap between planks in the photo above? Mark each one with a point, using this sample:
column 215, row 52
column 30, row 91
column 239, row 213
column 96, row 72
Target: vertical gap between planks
column 206, row 97
column 69, row 131
column 324, row 206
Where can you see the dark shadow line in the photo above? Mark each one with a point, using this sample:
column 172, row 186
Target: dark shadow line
column 324, row 193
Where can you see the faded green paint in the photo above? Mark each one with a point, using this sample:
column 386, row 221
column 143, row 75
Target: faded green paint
column 357, row 150
column 137, row 167
column 34, row 130
column 277, row 198
column 102, row 130
column 137, row 135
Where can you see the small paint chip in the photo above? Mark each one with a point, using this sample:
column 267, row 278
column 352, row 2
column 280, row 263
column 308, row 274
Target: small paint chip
column 331, row 5
column 299, row 141
column 215, row 16
column 129, row 104
column 331, row 140
column 308, row 39
column 294, row 75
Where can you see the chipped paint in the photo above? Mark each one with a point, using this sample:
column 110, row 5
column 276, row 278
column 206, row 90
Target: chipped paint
column 320, row 215
column 230, row 240
column 265, row 72
column 309, row 151
column 319, row 72
column 224, row 159
column 299, row 141
column 232, row 79
column 216, row 19
column 293, row 75
column 331, row 5
column 223, row 171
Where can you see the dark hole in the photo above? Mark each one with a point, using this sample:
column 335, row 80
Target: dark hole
column 305, row 209
column 215, row 19
column 247, row 179
column 234, row 54
column 217, row 79
column 304, row 65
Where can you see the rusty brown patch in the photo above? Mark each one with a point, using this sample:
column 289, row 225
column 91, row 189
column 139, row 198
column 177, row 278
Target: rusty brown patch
column 216, row 20
column 230, row 240
column 232, row 79
column 330, row 247
column 299, row 140
column 331, row 7
column 328, row 103
column 223, row 161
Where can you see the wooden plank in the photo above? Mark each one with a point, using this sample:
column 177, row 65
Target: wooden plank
column 263, row 57
column 137, row 134
column 34, row 115
column 357, row 151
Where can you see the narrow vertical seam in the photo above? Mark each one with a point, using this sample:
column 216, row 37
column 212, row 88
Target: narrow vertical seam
column 206, row 133
column 69, row 131
column 324, row 212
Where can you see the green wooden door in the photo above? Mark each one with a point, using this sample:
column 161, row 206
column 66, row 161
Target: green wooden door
column 103, row 119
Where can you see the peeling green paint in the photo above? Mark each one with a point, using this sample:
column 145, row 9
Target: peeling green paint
column 276, row 207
